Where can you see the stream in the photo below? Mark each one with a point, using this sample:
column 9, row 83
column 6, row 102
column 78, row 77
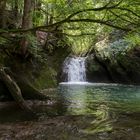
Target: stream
column 77, row 112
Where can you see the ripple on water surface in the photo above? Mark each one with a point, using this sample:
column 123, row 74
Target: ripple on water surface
column 81, row 111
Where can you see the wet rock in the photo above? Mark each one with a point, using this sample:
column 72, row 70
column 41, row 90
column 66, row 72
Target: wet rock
column 95, row 71
column 123, row 69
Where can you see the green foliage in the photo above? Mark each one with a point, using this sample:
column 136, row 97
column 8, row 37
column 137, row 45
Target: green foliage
column 82, row 35
column 80, row 45
column 3, row 40
column 113, row 50
column 133, row 38
column 118, row 47
column 38, row 18
column 33, row 47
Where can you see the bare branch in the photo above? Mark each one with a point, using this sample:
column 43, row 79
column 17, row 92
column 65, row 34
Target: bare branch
column 124, row 19
column 128, row 10
column 77, row 35
column 51, row 27
column 106, row 7
column 101, row 22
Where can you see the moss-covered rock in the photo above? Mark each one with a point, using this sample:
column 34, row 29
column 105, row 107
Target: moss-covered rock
column 41, row 72
column 122, row 69
column 96, row 72
column 36, row 73
column 130, row 63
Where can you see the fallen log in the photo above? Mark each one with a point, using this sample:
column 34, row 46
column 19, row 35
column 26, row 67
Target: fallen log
column 14, row 90
column 28, row 91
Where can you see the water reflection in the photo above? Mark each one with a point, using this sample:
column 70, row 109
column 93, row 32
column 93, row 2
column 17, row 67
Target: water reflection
column 106, row 103
column 101, row 123
column 99, row 112
column 75, row 97
column 84, row 99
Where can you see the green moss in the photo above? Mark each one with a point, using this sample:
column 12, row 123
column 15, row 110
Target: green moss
column 47, row 78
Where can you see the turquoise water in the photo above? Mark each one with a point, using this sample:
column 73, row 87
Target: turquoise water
column 79, row 112
column 114, row 110
column 86, row 99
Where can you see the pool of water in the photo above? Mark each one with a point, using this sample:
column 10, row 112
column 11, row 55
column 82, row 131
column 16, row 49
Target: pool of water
column 90, row 98
column 85, row 111
column 111, row 108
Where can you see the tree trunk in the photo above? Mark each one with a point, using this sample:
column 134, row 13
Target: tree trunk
column 3, row 13
column 14, row 90
column 26, row 24
column 16, row 9
column 29, row 92
column 27, row 15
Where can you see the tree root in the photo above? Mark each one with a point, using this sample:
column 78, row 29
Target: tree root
column 14, row 90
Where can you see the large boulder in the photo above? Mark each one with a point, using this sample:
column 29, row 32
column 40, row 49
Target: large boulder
column 124, row 69
column 130, row 63
column 96, row 71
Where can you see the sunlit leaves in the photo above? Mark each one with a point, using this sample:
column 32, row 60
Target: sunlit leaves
column 47, row 12
column 133, row 38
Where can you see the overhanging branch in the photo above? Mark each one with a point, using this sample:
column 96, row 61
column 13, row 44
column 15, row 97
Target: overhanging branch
column 68, row 19
column 124, row 19
column 128, row 10
column 105, row 7
column 101, row 22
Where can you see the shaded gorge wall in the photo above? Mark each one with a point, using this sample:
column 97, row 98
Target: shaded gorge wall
column 123, row 69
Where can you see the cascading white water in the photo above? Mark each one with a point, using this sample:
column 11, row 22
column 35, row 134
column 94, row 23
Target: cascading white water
column 74, row 68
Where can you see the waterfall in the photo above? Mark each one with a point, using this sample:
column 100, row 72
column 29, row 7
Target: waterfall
column 74, row 69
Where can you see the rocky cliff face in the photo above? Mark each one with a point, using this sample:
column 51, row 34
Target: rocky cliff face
column 123, row 69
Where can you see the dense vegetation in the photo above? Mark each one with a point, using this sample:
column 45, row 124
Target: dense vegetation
column 37, row 35
column 77, row 23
